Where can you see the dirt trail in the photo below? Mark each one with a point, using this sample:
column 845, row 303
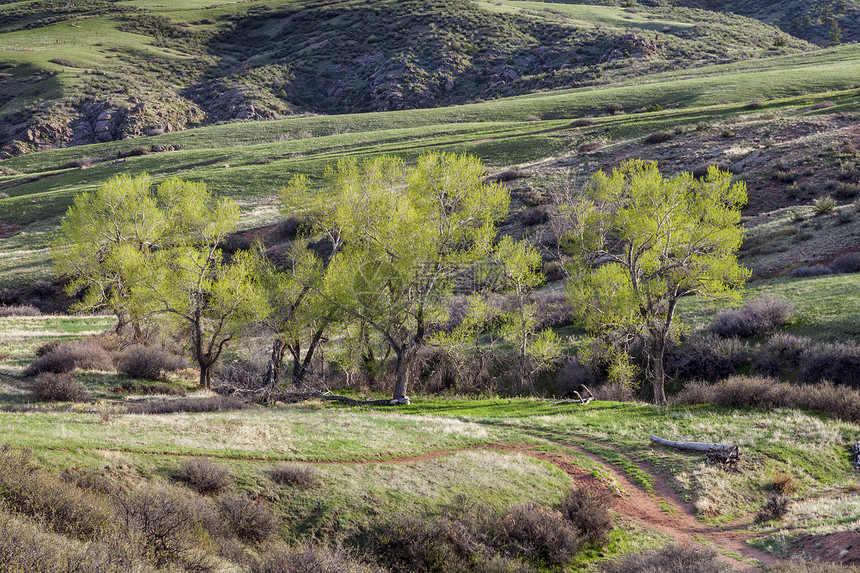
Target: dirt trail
column 662, row 510
column 665, row 512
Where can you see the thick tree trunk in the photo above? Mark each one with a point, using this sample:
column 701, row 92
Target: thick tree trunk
column 205, row 375
column 401, row 368
column 659, row 381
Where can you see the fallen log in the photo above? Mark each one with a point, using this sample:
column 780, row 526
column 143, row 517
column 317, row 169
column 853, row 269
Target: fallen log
column 581, row 401
column 724, row 455
column 695, row 446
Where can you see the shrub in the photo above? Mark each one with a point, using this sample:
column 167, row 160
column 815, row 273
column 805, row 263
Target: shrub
column 410, row 543
column 784, row 482
column 149, row 363
column 774, row 509
column 589, row 512
column 163, row 521
column 614, row 392
column 81, row 163
column 614, row 108
column 847, row 263
column 4, row 195
column 780, row 353
column 552, row 308
column 658, row 137
column 19, row 310
column 785, row 176
column 151, row 389
column 755, row 318
column 247, row 519
column 670, row 559
column 806, row 271
column 572, row 376
column 296, row 475
column 85, row 354
column 32, row 491
column 535, row 216
column 309, row 559
column 289, row 228
column 824, row 205
column 591, row 145
column 751, row 391
column 832, row 361
column 538, row 532
column 51, row 387
column 582, row 122
column 800, row 566
column 204, row 475
column 706, row 357
column 173, row 405
column 847, row 190
column 48, row 347
column 756, row 103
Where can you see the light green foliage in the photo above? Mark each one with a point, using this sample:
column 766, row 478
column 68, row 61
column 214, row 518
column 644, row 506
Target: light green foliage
column 188, row 281
column 641, row 242
column 299, row 312
column 400, row 234
column 146, row 254
column 97, row 237
column 519, row 265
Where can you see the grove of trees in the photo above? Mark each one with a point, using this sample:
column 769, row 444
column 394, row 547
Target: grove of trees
column 380, row 249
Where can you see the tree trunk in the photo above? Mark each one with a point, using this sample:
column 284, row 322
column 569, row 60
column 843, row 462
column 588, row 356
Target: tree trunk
column 401, row 367
column 659, row 382
column 658, row 373
column 205, row 375
column 272, row 377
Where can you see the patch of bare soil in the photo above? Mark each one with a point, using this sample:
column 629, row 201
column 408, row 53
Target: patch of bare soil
column 842, row 547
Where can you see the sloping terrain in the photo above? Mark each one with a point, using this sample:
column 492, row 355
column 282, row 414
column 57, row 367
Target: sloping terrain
column 102, row 71
column 810, row 20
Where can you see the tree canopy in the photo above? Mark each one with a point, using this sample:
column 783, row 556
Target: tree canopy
column 400, row 235
column 640, row 242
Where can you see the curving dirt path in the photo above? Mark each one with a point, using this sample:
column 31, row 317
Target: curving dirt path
column 662, row 510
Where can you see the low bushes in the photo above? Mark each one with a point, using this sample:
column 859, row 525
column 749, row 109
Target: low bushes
column 36, row 493
column 173, row 405
column 18, row 310
column 50, row 387
column 86, row 354
column 537, row 532
column 205, row 476
column 295, row 475
column 310, row 559
column 247, row 519
column 670, row 559
column 755, row 318
column 475, row 539
column 758, row 392
column 589, row 512
column 149, row 363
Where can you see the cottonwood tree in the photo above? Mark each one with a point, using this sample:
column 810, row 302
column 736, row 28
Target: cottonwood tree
column 299, row 314
column 401, row 234
column 203, row 298
column 519, row 269
column 640, row 242
column 155, row 254
column 99, row 231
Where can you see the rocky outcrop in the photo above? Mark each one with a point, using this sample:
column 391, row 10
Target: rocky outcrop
column 99, row 121
column 227, row 99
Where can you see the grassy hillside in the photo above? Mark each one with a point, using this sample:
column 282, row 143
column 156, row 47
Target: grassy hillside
column 809, row 20
column 102, row 71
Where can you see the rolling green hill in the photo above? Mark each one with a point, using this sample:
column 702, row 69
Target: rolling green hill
column 101, row 71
